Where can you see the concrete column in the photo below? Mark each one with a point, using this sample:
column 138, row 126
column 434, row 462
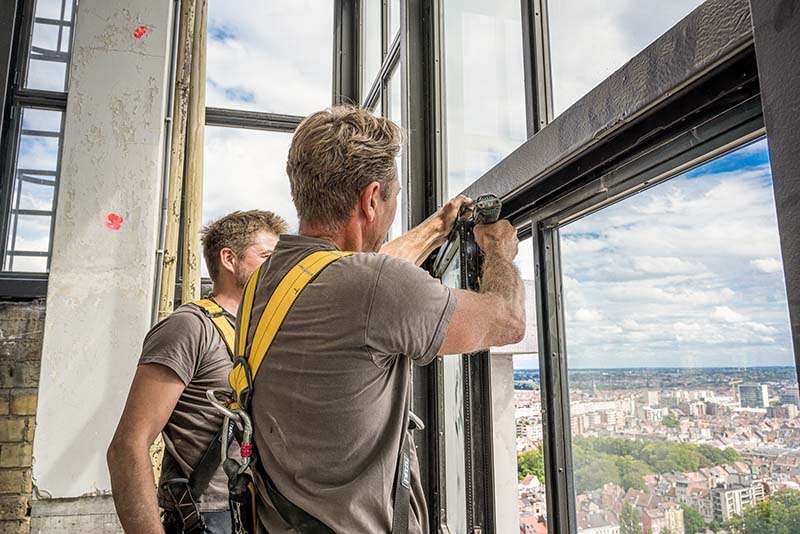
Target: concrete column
column 101, row 282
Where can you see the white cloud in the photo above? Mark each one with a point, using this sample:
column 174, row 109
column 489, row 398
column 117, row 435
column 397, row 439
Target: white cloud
column 586, row 315
column 665, row 265
column 673, row 271
column 725, row 314
column 767, row 265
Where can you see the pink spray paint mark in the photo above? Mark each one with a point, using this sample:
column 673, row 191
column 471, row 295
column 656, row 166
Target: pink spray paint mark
column 139, row 32
column 114, row 221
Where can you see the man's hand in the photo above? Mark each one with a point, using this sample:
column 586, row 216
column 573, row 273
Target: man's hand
column 417, row 244
column 447, row 215
column 498, row 239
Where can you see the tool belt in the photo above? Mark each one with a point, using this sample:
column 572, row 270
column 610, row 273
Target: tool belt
column 246, row 366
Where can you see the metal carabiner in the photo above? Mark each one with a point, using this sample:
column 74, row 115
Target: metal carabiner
column 247, row 439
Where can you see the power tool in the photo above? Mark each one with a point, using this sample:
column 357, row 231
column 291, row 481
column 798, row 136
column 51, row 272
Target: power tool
column 485, row 210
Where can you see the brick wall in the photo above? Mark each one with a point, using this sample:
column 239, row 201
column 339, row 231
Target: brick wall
column 21, row 330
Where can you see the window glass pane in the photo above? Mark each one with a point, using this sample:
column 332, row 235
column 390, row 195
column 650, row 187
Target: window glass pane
column 270, row 56
column 394, row 19
column 590, row 40
column 452, row 433
column 530, row 483
column 395, row 102
column 50, row 46
column 484, row 87
column 33, row 191
column 683, row 390
column 372, row 49
column 244, row 170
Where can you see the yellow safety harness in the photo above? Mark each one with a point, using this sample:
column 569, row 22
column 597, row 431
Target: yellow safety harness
column 217, row 316
column 289, row 288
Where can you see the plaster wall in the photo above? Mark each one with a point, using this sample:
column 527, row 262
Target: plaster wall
column 101, row 281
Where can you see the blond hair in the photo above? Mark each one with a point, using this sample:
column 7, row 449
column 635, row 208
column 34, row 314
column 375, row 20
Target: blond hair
column 237, row 231
column 334, row 154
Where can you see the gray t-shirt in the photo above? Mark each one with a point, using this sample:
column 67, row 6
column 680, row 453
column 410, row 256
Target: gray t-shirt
column 331, row 398
column 188, row 343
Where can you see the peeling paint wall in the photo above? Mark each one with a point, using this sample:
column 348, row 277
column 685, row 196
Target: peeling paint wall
column 101, row 281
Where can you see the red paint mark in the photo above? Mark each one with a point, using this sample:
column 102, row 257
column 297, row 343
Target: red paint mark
column 114, row 221
column 139, row 32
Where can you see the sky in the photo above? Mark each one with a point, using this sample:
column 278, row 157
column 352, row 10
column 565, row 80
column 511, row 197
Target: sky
column 685, row 274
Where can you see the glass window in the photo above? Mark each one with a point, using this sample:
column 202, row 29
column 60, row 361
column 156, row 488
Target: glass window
column 273, row 57
column 394, row 19
column 529, row 507
column 33, row 191
column 371, row 39
column 246, row 169
column 683, row 388
column 395, row 106
column 452, row 431
column 484, row 87
column 48, row 57
column 590, row 40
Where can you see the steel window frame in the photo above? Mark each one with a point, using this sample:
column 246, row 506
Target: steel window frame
column 614, row 142
column 15, row 45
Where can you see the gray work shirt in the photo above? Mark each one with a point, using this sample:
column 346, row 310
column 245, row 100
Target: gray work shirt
column 188, row 343
column 331, row 398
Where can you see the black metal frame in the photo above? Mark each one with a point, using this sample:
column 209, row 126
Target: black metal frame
column 777, row 41
column 536, row 55
column 696, row 95
column 15, row 53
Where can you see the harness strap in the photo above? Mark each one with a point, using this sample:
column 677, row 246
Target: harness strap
column 217, row 316
column 278, row 306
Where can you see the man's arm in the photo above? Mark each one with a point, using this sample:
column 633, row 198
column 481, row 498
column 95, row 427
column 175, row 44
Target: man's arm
column 154, row 393
column 495, row 316
column 417, row 244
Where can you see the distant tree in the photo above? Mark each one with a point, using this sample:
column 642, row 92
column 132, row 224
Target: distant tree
column 632, row 472
column 778, row 515
column 630, row 522
column 531, row 463
column 670, row 421
column 693, row 521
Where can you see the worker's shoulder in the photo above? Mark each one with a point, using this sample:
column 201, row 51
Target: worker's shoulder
column 379, row 267
column 187, row 319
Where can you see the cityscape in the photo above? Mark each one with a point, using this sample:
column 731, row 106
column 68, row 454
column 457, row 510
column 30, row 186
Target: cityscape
column 669, row 451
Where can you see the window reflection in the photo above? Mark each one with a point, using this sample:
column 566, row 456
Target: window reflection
column 270, row 56
column 484, row 87
column 683, row 390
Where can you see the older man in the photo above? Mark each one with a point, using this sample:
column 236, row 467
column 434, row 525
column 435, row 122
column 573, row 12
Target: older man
column 330, row 401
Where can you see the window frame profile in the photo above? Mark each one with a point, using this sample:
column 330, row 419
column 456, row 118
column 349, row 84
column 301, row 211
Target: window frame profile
column 15, row 52
column 617, row 140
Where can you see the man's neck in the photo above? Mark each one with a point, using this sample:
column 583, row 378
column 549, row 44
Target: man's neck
column 348, row 237
column 228, row 298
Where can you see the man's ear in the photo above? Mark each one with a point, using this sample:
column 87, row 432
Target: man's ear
column 368, row 201
column 228, row 259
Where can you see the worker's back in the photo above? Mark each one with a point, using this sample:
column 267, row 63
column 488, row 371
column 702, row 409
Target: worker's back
column 330, row 401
